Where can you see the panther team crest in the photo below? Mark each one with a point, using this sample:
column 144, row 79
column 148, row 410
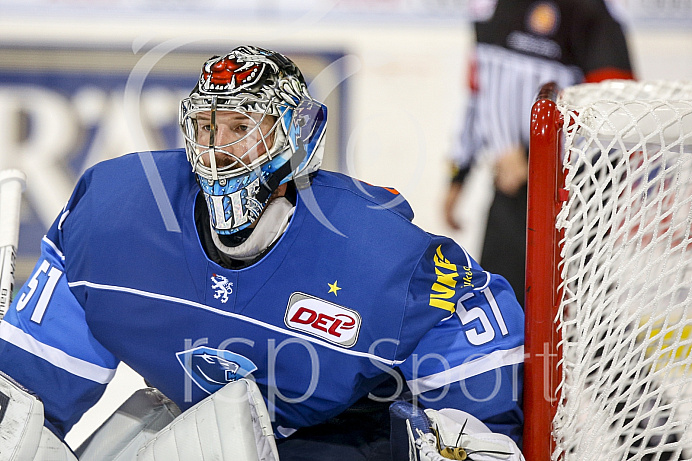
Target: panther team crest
column 211, row 369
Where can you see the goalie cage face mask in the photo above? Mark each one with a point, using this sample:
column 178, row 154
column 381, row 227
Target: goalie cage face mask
column 276, row 132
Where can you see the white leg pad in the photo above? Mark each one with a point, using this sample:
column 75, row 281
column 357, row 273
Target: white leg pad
column 133, row 424
column 22, row 434
column 51, row 448
column 231, row 424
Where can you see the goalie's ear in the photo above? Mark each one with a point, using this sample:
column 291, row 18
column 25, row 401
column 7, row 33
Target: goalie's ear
column 22, row 433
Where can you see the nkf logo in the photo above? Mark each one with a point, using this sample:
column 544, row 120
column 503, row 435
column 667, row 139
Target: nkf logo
column 323, row 319
column 444, row 288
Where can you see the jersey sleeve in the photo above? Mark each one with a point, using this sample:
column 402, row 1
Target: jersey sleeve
column 45, row 342
column 472, row 360
column 467, row 140
column 599, row 43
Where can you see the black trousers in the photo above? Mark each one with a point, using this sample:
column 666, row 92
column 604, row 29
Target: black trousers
column 504, row 246
column 361, row 433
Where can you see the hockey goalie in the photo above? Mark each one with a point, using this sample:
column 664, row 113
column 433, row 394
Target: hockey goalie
column 280, row 308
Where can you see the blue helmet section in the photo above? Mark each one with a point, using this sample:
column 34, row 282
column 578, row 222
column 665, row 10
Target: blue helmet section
column 233, row 206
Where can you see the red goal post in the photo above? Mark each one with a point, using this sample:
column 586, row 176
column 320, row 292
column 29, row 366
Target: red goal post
column 541, row 275
column 608, row 371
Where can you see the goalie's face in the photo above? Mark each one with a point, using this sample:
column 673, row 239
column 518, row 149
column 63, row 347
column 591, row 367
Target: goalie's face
column 232, row 152
column 250, row 126
column 229, row 141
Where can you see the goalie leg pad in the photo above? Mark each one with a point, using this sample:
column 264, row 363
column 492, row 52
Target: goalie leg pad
column 233, row 423
column 22, row 434
column 134, row 423
column 51, row 448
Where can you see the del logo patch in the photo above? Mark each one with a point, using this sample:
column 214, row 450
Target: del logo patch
column 211, row 369
column 323, row 319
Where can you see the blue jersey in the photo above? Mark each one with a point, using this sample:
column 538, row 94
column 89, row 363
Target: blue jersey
column 351, row 291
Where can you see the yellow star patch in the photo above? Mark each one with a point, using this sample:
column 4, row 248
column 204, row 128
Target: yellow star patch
column 333, row 288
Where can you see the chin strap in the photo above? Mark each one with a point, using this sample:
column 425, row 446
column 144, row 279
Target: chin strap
column 270, row 226
column 271, row 182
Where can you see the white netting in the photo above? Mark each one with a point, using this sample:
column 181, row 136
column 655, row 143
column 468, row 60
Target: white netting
column 626, row 308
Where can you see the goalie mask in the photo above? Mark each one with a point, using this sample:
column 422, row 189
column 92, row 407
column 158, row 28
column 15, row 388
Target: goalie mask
column 249, row 126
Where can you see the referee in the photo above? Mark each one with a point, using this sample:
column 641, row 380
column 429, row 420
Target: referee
column 521, row 44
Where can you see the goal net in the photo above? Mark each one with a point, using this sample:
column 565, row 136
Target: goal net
column 617, row 307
